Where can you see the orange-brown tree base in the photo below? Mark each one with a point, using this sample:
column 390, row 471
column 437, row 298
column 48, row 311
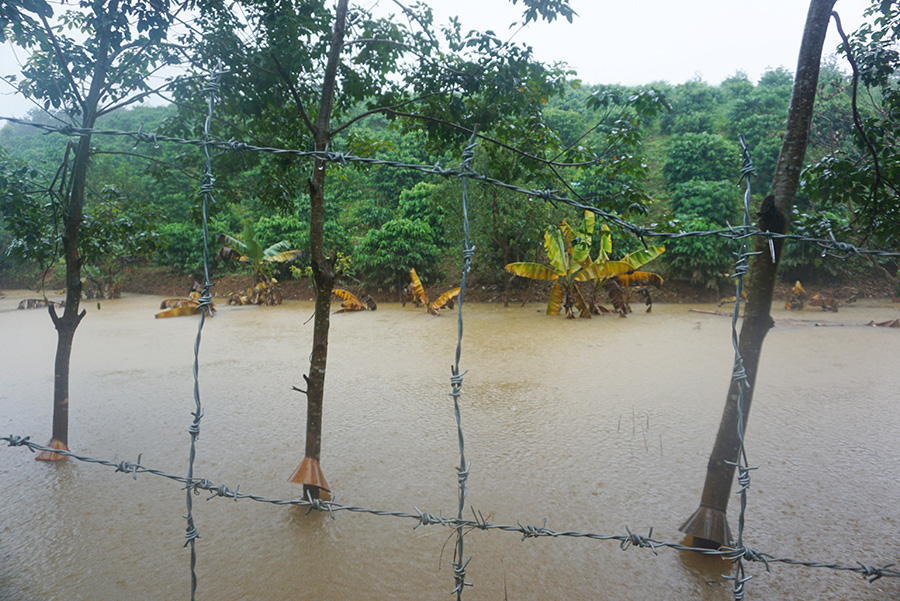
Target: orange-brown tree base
column 309, row 474
column 50, row 455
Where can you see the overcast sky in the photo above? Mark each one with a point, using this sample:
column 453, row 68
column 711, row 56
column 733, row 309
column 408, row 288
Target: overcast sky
column 629, row 42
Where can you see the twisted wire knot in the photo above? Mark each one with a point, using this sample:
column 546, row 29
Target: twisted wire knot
column 427, row 519
column 335, row 157
column 191, row 533
column 223, row 491
column 642, row 542
column 744, row 477
column 438, row 170
column 125, row 467
column 871, row 573
column 463, row 474
column 318, row 505
column 194, row 429
column 207, row 185
column 19, row 441
column 469, row 154
column 459, row 575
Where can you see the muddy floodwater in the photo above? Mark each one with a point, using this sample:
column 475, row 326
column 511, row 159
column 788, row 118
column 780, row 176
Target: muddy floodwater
column 592, row 425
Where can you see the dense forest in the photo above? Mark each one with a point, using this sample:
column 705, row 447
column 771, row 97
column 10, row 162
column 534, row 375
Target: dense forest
column 665, row 156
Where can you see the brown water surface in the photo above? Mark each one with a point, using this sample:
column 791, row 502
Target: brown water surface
column 593, row 425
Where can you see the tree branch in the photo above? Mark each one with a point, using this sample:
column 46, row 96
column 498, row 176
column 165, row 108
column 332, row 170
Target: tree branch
column 294, row 93
column 63, row 62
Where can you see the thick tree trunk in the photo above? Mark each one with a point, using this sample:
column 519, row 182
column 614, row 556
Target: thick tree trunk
column 309, row 472
column 709, row 525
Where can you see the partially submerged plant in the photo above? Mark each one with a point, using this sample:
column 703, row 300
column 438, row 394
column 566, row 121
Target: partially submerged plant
column 352, row 303
column 179, row 307
column 568, row 250
column 415, row 293
column 246, row 249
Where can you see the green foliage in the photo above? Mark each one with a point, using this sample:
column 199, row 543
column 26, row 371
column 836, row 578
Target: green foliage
column 760, row 115
column 694, row 106
column 701, row 156
column 804, row 262
column 180, row 247
column 702, row 260
column 386, row 254
column 719, row 203
column 27, row 224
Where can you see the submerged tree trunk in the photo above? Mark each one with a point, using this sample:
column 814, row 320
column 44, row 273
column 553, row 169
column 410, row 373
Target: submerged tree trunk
column 309, row 473
column 708, row 525
column 73, row 215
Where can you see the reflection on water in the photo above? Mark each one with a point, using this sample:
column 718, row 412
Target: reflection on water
column 594, row 426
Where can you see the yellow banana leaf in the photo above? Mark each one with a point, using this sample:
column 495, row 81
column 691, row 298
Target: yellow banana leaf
column 556, row 299
column 535, row 271
column 351, row 303
column 639, row 278
column 181, row 311
column 286, row 256
column 602, row 270
column 445, row 298
column 555, row 246
column 580, row 304
column 605, row 243
column 418, row 288
column 172, row 303
column 639, row 257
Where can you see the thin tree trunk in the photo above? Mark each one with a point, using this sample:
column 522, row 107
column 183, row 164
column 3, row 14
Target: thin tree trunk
column 709, row 525
column 73, row 215
column 309, row 473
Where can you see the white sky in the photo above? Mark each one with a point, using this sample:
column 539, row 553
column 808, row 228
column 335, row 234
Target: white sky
column 631, row 42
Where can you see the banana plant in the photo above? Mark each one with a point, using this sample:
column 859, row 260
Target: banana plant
column 568, row 250
column 619, row 278
column 415, row 292
column 246, row 249
column 352, row 303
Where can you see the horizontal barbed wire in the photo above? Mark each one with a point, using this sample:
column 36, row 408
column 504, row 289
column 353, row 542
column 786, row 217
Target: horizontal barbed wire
column 831, row 246
column 630, row 539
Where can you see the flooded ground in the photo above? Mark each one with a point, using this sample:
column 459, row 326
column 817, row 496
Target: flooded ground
column 593, row 426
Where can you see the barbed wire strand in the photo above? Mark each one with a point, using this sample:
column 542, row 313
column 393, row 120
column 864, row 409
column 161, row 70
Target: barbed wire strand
column 456, row 378
column 205, row 306
column 739, row 375
column 836, row 249
column 626, row 541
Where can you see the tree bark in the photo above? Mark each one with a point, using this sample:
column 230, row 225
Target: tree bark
column 73, row 215
column 322, row 267
column 709, row 525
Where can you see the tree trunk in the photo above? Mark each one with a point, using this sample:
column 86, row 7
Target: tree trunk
column 309, row 472
column 73, row 215
column 708, row 525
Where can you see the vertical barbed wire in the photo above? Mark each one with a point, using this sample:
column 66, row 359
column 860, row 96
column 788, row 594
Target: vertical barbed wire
column 456, row 378
column 739, row 375
column 205, row 305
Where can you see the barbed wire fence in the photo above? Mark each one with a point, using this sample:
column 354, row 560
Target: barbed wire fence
column 737, row 552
